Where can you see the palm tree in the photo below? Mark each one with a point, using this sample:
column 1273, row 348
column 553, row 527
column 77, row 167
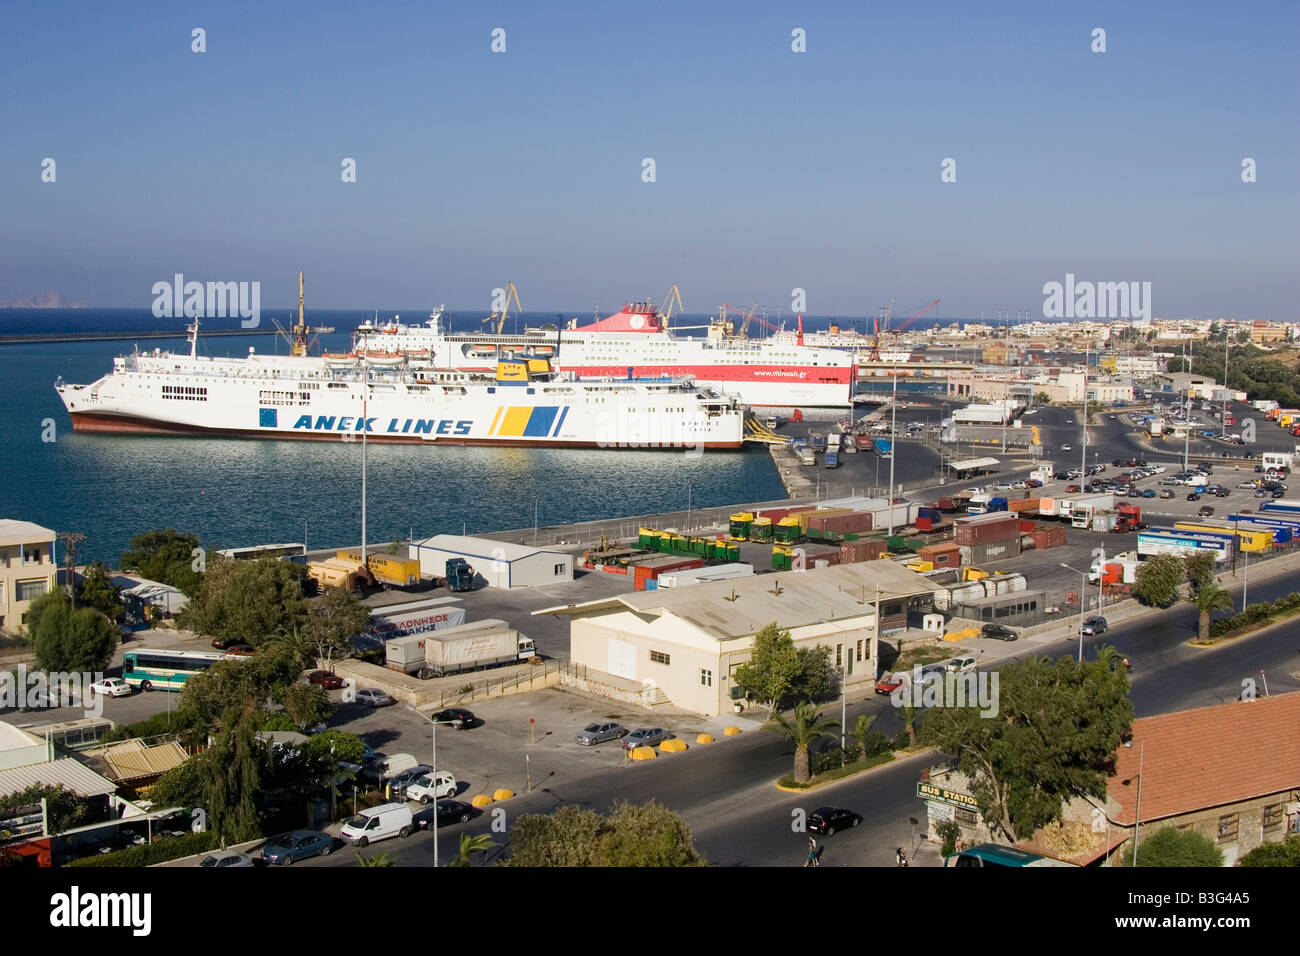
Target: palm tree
column 908, row 713
column 807, row 726
column 469, row 845
column 1210, row 598
column 379, row 859
column 860, row 731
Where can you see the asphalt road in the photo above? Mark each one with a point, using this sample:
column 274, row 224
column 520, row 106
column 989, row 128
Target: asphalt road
column 739, row 818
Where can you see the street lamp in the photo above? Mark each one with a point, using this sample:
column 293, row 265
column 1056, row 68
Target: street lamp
column 1082, row 593
column 689, row 483
column 433, row 775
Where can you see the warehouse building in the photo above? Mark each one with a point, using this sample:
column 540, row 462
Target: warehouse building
column 686, row 643
column 500, row 564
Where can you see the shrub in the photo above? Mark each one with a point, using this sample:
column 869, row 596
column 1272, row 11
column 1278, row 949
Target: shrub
column 948, row 833
column 160, row 851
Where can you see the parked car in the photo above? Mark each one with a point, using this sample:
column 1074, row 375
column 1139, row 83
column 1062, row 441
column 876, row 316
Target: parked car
column 241, row 650
column 446, row 813
column 645, row 737
column 1095, row 625
column 889, row 683
column 1071, row 489
column 1205, row 511
column 288, row 848
column 998, row 632
column 960, row 665
column 378, row 823
column 830, row 820
column 1193, row 496
column 226, row 858
column 400, row 782
column 1019, row 484
column 457, row 717
column 593, row 734
column 374, row 697
column 327, row 679
column 429, row 786
column 1136, row 493
column 223, row 643
column 1151, row 493
column 1065, row 448
column 112, row 687
column 1002, row 486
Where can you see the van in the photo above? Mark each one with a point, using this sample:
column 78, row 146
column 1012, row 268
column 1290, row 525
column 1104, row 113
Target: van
column 389, row 767
column 378, row 823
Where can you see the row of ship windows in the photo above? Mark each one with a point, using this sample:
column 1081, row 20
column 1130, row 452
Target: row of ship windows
column 185, row 393
column 283, row 398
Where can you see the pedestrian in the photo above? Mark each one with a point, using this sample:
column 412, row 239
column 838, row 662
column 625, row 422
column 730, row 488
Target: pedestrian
column 813, row 856
column 900, row 856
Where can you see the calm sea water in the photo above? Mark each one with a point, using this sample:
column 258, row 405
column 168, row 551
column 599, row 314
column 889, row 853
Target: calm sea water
column 243, row 491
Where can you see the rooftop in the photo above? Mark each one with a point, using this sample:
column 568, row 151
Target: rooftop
column 13, row 531
column 64, row 772
column 15, row 738
column 1208, row 757
column 739, row 607
column 486, row 548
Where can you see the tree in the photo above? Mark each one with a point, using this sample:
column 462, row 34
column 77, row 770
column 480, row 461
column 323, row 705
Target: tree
column 1054, row 738
column 306, row 704
column 771, row 669
column 396, row 548
column 815, row 677
column 165, row 556
column 332, row 621
column 1158, row 579
column 1286, row 853
column 99, row 592
column 74, row 641
column 1042, row 398
column 1176, row 365
column 1199, row 568
column 469, row 845
column 1171, row 846
column 861, row 730
column 1208, row 599
column 36, row 610
column 255, row 601
column 65, row 809
column 806, row 726
column 181, row 786
column 230, row 772
column 908, row 713
column 649, row 835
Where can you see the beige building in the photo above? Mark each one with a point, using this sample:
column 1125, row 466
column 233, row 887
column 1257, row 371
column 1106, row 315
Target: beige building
column 27, row 569
column 688, row 642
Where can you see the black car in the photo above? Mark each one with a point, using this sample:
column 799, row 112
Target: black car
column 830, row 820
column 1193, row 496
column 447, row 813
column 998, row 632
column 1205, row 512
column 457, row 717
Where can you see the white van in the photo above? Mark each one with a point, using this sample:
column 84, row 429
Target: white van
column 378, row 823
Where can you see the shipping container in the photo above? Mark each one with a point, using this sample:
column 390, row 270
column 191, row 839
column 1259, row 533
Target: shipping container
column 651, row 569
column 401, row 572
column 994, row 550
column 1183, row 542
column 1023, row 504
column 805, row 516
column 1047, row 507
column 863, row 549
column 1253, row 540
column 714, row 572
column 405, row 654
column 986, row 528
column 484, row 643
column 1049, row 536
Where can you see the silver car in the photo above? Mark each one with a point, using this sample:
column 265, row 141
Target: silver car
column 227, row 858
column 373, row 697
column 593, row 734
column 645, row 737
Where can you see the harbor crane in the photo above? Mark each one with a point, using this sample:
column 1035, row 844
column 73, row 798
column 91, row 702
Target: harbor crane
column 500, row 318
column 672, row 296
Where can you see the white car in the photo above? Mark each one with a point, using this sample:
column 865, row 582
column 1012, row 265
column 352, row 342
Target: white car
column 112, row 687
column 1019, row 484
column 1065, row 448
column 960, row 665
column 427, row 788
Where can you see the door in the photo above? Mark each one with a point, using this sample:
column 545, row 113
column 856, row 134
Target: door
column 622, row 659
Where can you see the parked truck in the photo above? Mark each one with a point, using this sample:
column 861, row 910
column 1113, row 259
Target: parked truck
column 486, row 643
column 460, row 576
column 388, row 569
column 1128, row 517
column 1083, row 509
column 818, row 441
column 340, row 572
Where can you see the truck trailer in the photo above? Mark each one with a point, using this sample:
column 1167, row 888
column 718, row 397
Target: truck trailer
column 486, row 643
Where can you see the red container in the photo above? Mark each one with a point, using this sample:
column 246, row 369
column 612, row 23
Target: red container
column 814, row 554
column 1026, row 526
column 941, row 555
column 945, row 504
column 650, row 570
column 924, row 524
column 855, row 522
column 984, row 529
column 865, row 549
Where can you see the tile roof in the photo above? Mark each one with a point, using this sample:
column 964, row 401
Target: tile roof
column 1208, row 757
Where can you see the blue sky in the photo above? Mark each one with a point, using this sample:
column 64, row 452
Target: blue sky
column 774, row 170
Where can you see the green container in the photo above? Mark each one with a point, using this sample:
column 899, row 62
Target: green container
column 733, row 552
column 665, row 543
column 699, row 546
column 781, row 561
column 850, row 537
column 895, row 543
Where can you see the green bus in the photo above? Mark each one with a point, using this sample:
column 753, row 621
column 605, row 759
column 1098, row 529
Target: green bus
column 167, row 670
column 995, row 854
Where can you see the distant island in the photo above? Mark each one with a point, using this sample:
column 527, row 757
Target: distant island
column 46, row 300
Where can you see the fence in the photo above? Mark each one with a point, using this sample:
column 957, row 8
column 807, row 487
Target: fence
column 538, row 675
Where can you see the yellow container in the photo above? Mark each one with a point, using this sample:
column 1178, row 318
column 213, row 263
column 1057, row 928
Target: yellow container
column 1248, row 539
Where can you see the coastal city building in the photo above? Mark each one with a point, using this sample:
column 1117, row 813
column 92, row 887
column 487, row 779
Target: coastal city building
column 27, row 569
column 501, row 564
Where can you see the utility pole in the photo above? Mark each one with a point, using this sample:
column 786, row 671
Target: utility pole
column 1083, row 463
column 365, row 396
column 70, row 541
column 893, row 443
column 1223, row 422
column 1187, row 431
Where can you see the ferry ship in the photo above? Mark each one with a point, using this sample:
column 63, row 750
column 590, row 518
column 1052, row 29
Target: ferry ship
column 845, row 339
column 340, row 398
column 634, row 344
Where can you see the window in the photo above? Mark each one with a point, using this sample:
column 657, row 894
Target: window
column 706, row 678
column 30, row 590
column 859, row 650
column 1228, row 828
column 965, row 818
column 658, row 657
column 1273, row 816
column 839, row 655
column 559, row 569
column 32, row 555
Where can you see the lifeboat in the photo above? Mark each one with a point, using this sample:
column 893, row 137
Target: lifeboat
column 482, row 350
column 383, row 359
column 340, row 360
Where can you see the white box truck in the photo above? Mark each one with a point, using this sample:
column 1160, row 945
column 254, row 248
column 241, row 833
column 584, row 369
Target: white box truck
column 485, row 643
